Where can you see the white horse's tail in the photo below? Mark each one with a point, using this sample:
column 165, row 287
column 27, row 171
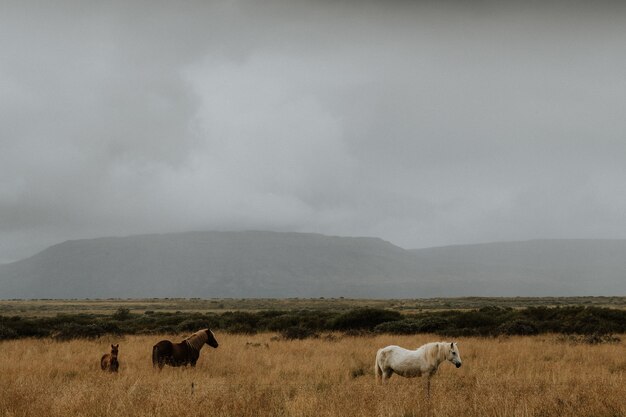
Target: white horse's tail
column 378, row 371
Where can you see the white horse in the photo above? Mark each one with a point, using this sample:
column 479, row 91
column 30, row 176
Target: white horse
column 413, row 363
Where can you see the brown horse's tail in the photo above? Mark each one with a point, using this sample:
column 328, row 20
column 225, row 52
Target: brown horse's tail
column 155, row 356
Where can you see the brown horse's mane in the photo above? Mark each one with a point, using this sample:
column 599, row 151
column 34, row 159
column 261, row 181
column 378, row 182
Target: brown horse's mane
column 197, row 339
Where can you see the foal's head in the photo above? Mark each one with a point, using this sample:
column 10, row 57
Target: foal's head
column 453, row 354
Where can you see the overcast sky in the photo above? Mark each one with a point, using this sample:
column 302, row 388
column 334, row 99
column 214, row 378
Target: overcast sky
column 423, row 123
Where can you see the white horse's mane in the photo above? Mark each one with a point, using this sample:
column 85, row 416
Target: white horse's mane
column 437, row 352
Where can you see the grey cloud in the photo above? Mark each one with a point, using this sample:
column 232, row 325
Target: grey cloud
column 425, row 123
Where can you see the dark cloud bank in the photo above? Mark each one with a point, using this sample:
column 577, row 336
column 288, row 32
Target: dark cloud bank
column 423, row 123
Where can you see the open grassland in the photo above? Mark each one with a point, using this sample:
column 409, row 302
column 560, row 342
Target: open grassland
column 40, row 308
column 258, row 375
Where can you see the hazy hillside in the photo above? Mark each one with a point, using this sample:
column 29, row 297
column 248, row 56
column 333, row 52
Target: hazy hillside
column 215, row 264
column 533, row 268
column 266, row 264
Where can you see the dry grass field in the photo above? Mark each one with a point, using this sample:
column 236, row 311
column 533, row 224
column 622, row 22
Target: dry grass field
column 330, row 376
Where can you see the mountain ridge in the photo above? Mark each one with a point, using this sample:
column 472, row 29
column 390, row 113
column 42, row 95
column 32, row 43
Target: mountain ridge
column 288, row 264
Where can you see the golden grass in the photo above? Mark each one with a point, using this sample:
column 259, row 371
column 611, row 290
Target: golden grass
column 259, row 376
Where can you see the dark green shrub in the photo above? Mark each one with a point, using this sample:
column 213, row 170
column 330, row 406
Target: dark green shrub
column 517, row 327
column 7, row 333
column 196, row 323
column 277, row 323
column 22, row 327
column 432, row 324
column 408, row 326
column 427, row 324
column 244, row 328
column 486, row 321
column 166, row 319
column 494, row 309
column 364, row 318
column 79, row 331
column 164, row 330
column 239, row 321
column 315, row 320
column 122, row 314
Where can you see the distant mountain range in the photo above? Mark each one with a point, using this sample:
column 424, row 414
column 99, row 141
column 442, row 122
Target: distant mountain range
column 268, row 264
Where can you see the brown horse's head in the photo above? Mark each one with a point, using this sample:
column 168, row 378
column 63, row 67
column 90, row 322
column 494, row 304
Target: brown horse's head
column 210, row 340
column 114, row 350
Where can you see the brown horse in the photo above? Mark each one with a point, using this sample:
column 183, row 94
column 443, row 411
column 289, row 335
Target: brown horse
column 109, row 360
column 184, row 353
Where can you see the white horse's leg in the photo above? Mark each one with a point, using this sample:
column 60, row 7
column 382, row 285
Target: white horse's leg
column 386, row 375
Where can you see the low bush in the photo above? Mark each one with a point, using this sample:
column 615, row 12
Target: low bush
column 489, row 321
column 517, row 327
column 79, row 331
column 7, row 333
column 427, row 324
column 122, row 314
column 363, row 318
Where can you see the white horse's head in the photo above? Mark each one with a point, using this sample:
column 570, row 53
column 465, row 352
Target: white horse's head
column 453, row 354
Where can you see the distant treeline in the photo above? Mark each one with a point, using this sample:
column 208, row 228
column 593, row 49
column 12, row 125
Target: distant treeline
column 485, row 321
